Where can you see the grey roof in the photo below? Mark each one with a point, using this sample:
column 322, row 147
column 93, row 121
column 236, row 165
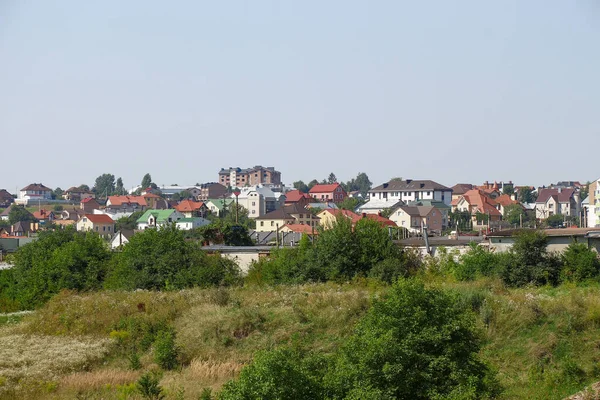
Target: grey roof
column 416, row 211
column 409, row 185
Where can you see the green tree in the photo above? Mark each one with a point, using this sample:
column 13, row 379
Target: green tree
column 555, row 221
column 360, row 183
column 301, row 186
column 105, row 185
column 580, row 263
column 332, row 178
column 119, row 188
column 129, row 223
column 84, row 187
column 146, row 181
column 416, row 343
column 185, row 194
column 514, row 214
column 312, row 183
column 18, row 213
column 350, row 203
column 57, row 193
column 526, row 195
column 508, row 189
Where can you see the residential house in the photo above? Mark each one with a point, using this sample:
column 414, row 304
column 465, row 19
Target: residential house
column 35, row 192
column 442, row 207
column 211, row 190
column 102, row 224
column 385, row 222
column 259, row 200
column 219, row 206
column 557, row 201
column 410, row 190
column 328, row 192
column 328, row 217
column 88, row 205
column 6, row 199
column 127, row 203
column 23, row 228
column 73, row 214
column 504, row 201
column 418, row 218
column 187, row 224
column 121, row 238
column 377, row 206
column 44, row 216
column 257, row 175
column 158, row 218
column 191, row 208
column 287, row 215
column 493, row 191
column 299, row 228
column 76, row 194
column 298, row 197
column 482, row 208
column 459, row 189
column 593, row 212
column 321, row 206
column 170, row 191
column 5, row 215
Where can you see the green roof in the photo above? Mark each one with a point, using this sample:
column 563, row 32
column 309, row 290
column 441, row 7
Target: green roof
column 160, row 216
column 188, row 219
column 219, row 202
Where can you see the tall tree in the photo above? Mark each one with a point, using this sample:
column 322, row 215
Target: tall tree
column 332, row 178
column 526, row 195
column 119, row 188
column 312, row 183
column 57, row 193
column 301, row 186
column 146, row 181
column 18, row 213
column 84, row 187
column 360, row 183
column 105, row 185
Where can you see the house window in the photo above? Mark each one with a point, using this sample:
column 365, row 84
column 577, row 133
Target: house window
column 272, row 223
column 262, row 223
column 253, row 211
column 104, row 228
column 428, row 193
column 109, row 228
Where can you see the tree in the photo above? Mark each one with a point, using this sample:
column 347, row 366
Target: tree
column 555, row 221
column 360, row 183
column 119, row 188
column 526, row 195
column 105, row 185
column 580, row 263
column 146, row 181
column 508, row 189
column 415, row 343
column 57, row 193
column 312, row 183
column 514, row 214
column 185, row 194
column 301, row 186
column 18, row 213
column 350, row 203
column 84, row 187
column 128, row 223
column 332, row 178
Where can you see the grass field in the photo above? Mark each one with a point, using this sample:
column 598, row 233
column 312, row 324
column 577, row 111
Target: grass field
column 543, row 342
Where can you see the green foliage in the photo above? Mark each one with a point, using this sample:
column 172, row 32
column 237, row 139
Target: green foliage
column 119, row 188
column 301, row 186
column 18, row 213
column 416, row 343
column 165, row 351
column 514, row 214
column 148, row 386
column 475, row 263
column 58, row 208
column 277, row 375
column 350, row 203
column 555, row 221
column 129, row 223
column 331, row 178
column 58, row 260
column 460, row 219
column 529, row 261
column 146, row 181
column 526, row 195
column 508, row 189
column 57, row 193
column 105, row 185
column 580, row 263
column 162, row 259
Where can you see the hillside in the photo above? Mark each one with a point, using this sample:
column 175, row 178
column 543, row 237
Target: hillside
column 543, row 342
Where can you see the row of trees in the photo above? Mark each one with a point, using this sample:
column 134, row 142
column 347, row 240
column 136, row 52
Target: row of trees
column 66, row 259
column 360, row 183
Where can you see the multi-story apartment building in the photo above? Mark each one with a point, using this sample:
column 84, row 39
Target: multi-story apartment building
column 257, row 175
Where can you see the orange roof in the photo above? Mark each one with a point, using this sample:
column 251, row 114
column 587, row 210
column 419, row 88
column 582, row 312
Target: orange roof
column 87, row 199
column 381, row 220
column 295, row 195
column 188, row 206
column 505, row 200
column 42, row 214
column 301, row 228
column 480, row 202
column 347, row 213
column 99, row 218
column 324, row 188
column 120, row 200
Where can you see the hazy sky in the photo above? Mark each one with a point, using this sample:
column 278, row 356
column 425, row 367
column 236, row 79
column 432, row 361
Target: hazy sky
column 454, row 91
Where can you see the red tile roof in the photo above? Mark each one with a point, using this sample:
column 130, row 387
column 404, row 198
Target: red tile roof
column 301, row 228
column 347, row 213
column 99, row 218
column 36, row 186
column 295, row 196
column 480, row 202
column 120, row 200
column 562, row 195
column 88, row 199
column 324, row 188
column 505, row 200
column 188, row 206
column 382, row 220
column 42, row 214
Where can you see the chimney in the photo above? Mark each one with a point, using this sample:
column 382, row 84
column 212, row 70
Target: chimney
column 364, row 215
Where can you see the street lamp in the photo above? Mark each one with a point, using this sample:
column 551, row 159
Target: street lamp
column 237, row 204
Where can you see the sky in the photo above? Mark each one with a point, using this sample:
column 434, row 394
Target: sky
column 460, row 91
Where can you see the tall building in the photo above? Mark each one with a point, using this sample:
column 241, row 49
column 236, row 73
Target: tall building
column 257, row 175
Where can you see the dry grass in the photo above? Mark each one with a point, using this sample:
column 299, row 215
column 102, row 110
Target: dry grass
column 94, row 380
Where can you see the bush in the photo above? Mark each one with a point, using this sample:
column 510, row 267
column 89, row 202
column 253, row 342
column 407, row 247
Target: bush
column 580, row 263
column 165, row 351
column 416, row 343
column 149, row 388
column 278, row 374
column 476, row 262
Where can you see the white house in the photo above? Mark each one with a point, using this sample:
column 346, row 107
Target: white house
column 34, row 192
column 411, row 190
column 187, row 224
column 259, row 200
column 158, row 218
column 121, row 238
column 557, row 201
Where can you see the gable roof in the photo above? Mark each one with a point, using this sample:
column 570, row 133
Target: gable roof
column 505, row 200
column 160, row 216
column 4, row 195
column 188, row 206
column 127, row 233
column 461, row 188
column 99, row 218
column 324, row 188
column 397, row 185
column 295, row 196
column 286, row 212
column 481, row 202
column 382, row 220
column 562, row 195
column 218, row 203
column 301, row 228
column 120, row 200
column 43, row 214
column 346, row 213
column 36, row 186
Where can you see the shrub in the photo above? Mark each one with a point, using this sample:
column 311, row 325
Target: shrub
column 415, row 343
column 530, row 263
column 580, row 263
column 476, row 262
column 165, row 351
column 149, row 388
